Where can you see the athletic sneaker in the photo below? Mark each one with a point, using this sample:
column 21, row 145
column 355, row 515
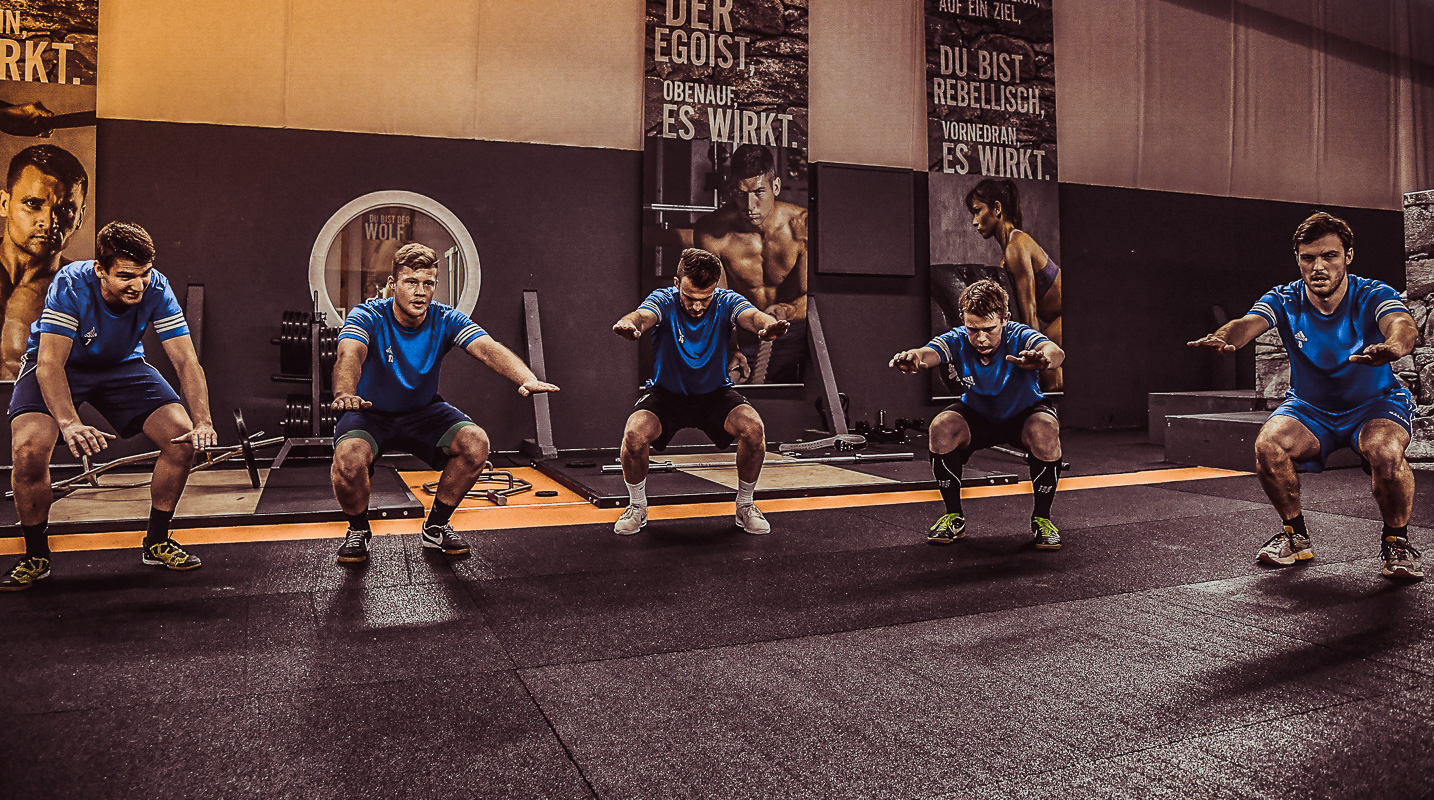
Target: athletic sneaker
column 24, row 574
column 750, row 519
column 1401, row 560
column 168, row 554
column 1285, row 548
column 355, row 547
column 1045, row 533
column 947, row 529
column 631, row 521
column 442, row 537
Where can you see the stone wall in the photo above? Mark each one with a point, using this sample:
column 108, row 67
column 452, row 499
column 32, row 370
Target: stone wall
column 1417, row 369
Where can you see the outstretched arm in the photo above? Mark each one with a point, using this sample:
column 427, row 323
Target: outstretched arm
column 634, row 325
column 1046, row 355
column 348, row 368
column 1400, row 337
column 1234, row 334
column 915, row 360
column 506, row 363
column 195, row 389
column 766, row 326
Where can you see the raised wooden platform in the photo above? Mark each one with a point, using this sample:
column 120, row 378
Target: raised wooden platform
column 1220, row 401
column 1226, row 441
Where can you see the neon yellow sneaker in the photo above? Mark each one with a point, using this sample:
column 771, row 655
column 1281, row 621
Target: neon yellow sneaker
column 1045, row 533
column 947, row 529
column 168, row 554
column 24, row 574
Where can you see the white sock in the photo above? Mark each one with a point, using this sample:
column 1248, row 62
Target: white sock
column 637, row 493
column 746, row 490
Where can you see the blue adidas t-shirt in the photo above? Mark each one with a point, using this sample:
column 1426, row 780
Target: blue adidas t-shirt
column 400, row 373
column 995, row 389
column 76, row 308
column 1319, row 346
column 691, row 354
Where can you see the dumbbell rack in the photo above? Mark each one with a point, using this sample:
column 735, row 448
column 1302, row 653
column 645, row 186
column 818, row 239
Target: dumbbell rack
column 297, row 330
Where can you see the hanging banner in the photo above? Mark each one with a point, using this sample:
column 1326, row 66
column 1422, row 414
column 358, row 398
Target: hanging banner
column 48, row 52
column 725, row 161
column 991, row 131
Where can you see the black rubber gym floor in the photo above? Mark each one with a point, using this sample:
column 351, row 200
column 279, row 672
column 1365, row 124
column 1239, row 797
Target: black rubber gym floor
column 841, row 657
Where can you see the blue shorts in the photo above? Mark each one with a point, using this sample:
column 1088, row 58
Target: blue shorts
column 1336, row 430
column 125, row 393
column 425, row 433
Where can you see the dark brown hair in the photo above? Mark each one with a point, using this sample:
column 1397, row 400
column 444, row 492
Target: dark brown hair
column 1319, row 225
column 413, row 256
column 700, row 267
column 984, row 298
column 123, row 240
column 991, row 191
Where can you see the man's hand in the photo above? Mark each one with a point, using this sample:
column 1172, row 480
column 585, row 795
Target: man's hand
column 738, row 370
column 84, row 440
column 1376, row 355
column 1030, row 359
column 202, row 437
column 908, row 361
column 627, row 330
column 534, row 386
column 775, row 330
column 349, row 402
column 1212, row 342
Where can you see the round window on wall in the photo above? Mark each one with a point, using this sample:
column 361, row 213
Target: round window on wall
column 353, row 254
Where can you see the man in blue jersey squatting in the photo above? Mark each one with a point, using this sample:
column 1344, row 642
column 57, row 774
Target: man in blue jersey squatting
column 1341, row 332
column 85, row 347
column 692, row 323
column 386, row 382
column 998, row 361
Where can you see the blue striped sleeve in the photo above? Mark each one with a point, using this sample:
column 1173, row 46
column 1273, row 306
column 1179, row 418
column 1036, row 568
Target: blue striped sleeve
column 61, row 314
column 653, row 303
column 1270, row 307
column 464, row 331
column 1384, row 300
column 942, row 345
column 168, row 317
column 358, row 325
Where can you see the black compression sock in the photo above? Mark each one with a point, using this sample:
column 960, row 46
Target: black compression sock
column 1402, row 532
column 947, row 469
column 37, row 541
column 359, row 521
column 440, row 514
column 1297, row 524
column 1044, row 476
column 158, row 529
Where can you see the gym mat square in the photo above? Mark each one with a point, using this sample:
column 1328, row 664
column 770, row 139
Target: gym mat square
column 219, row 492
column 779, row 472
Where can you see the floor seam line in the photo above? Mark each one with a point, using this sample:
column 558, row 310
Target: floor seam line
column 567, row 751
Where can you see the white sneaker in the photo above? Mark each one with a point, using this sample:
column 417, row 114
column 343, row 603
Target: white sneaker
column 631, row 521
column 750, row 519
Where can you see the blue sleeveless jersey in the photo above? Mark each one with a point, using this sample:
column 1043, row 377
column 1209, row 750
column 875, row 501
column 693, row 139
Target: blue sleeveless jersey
column 998, row 389
column 1319, row 346
column 76, row 309
column 400, row 372
column 691, row 354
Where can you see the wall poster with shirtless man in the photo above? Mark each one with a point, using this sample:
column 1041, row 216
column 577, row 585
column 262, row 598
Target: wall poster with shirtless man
column 991, row 142
column 725, row 164
column 47, row 149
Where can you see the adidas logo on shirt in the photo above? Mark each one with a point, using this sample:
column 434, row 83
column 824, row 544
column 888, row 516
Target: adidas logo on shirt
column 388, row 351
column 90, row 336
column 1301, row 338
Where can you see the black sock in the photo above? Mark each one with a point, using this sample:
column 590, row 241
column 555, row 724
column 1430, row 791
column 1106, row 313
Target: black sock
column 158, row 526
column 1402, row 532
column 1297, row 524
column 440, row 514
column 947, row 469
column 1044, row 476
column 37, row 541
column 359, row 521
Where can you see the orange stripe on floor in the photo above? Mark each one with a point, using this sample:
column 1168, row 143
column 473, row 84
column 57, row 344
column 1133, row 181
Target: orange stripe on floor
column 568, row 508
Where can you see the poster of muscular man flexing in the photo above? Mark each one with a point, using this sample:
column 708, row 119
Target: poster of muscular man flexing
column 47, row 148
column 725, row 162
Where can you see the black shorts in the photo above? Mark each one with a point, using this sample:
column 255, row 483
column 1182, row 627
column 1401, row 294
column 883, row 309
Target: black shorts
column 425, row 433
column 706, row 412
column 986, row 432
column 125, row 393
